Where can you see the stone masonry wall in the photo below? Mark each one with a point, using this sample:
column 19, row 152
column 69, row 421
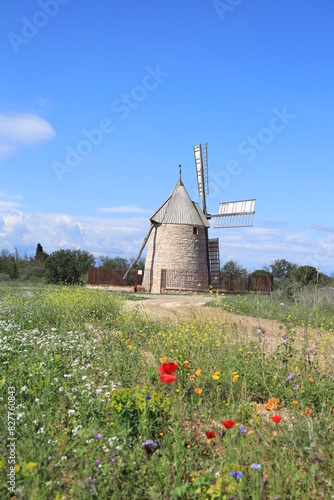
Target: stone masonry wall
column 174, row 247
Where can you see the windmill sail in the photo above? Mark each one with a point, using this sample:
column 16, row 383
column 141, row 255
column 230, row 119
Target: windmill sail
column 201, row 164
column 235, row 214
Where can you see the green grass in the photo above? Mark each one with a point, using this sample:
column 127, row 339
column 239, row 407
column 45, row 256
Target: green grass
column 82, row 368
column 310, row 307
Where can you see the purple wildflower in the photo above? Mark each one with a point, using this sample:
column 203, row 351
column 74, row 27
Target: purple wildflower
column 259, row 330
column 290, row 377
column 148, row 443
column 98, row 436
column 242, row 430
column 295, row 387
column 284, row 339
column 97, row 463
column 255, row 466
column 237, row 475
column 149, row 447
column 147, row 396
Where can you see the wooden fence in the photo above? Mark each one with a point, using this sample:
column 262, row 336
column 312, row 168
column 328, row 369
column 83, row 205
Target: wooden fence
column 104, row 276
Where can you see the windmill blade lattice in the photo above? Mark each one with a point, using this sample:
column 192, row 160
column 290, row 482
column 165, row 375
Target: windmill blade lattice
column 235, row 214
column 202, row 171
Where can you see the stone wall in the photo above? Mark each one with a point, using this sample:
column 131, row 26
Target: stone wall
column 174, row 247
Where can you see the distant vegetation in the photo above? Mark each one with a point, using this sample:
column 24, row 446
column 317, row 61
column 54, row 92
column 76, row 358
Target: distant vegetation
column 63, row 266
column 71, row 267
column 288, row 277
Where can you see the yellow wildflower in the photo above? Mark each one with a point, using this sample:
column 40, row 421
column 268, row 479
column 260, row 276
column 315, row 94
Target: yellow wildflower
column 30, row 465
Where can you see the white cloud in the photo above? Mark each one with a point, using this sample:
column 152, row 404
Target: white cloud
column 54, row 231
column 251, row 247
column 125, row 209
column 22, row 129
column 254, row 247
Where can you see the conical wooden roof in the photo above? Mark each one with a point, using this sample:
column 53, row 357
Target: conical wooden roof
column 179, row 209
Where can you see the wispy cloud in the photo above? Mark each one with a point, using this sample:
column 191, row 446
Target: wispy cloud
column 19, row 130
column 274, row 223
column 125, row 209
column 324, row 228
column 9, row 201
column 42, row 105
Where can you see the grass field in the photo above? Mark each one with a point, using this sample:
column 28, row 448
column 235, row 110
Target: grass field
column 85, row 414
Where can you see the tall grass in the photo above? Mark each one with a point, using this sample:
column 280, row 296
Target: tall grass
column 306, row 307
column 89, row 398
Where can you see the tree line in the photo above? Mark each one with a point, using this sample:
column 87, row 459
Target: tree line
column 71, row 266
column 285, row 273
column 61, row 266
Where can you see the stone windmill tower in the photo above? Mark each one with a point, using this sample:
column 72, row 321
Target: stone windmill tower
column 180, row 253
column 178, row 240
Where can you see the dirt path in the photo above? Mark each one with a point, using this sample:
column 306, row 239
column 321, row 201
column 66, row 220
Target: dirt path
column 180, row 307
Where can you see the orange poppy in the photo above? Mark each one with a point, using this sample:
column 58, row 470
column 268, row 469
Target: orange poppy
column 163, row 359
column 198, row 391
column 294, row 403
column 198, row 372
column 191, row 377
column 272, row 404
column 308, row 411
column 311, row 379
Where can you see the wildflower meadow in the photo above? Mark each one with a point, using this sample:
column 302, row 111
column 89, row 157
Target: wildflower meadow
column 98, row 400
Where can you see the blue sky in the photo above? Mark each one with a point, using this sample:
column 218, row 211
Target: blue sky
column 100, row 102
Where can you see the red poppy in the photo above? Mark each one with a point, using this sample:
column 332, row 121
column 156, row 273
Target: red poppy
column 210, row 435
column 167, row 378
column 276, row 418
column 168, row 368
column 228, row 424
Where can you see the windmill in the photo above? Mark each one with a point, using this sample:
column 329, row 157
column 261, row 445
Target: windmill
column 230, row 214
column 179, row 249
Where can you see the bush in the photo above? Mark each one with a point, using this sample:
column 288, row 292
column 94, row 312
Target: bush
column 62, row 267
column 67, row 266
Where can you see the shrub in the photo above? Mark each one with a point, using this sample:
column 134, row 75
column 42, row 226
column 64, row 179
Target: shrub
column 62, row 267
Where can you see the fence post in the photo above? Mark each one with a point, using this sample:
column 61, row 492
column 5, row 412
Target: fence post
column 163, row 281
